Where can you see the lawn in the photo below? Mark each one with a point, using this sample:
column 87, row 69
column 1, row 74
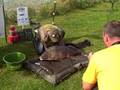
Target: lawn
column 78, row 25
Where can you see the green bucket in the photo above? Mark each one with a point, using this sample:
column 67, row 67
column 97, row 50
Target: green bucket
column 14, row 60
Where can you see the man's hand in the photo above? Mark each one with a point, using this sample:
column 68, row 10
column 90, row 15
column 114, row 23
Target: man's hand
column 89, row 55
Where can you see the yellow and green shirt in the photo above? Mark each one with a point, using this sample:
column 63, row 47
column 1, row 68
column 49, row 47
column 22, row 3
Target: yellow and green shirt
column 104, row 68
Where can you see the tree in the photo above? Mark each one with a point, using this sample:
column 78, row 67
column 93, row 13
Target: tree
column 113, row 3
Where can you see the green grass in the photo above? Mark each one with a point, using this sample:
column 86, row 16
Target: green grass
column 78, row 25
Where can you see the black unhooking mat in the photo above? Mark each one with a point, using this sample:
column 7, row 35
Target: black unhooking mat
column 56, row 71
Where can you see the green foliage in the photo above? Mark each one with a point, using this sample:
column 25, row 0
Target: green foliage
column 63, row 7
column 45, row 10
column 112, row 2
column 81, row 4
column 11, row 17
column 31, row 12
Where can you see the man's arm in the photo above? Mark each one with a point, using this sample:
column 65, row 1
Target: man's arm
column 88, row 86
column 89, row 77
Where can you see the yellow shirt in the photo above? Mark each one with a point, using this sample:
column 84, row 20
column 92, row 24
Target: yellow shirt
column 104, row 67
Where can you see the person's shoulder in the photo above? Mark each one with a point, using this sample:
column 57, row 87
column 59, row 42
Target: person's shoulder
column 99, row 54
column 106, row 51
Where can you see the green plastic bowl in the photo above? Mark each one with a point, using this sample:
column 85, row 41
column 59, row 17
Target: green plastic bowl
column 14, row 60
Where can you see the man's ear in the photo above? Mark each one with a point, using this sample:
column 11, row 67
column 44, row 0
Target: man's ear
column 106, row 39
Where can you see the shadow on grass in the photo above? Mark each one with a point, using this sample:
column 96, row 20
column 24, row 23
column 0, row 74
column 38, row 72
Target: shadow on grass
column 96, row 10
column 87, row 36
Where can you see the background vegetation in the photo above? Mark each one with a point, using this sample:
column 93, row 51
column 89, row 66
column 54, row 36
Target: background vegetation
column 45, row 8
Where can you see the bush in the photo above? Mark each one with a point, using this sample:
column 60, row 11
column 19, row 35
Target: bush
column 11, row 17
column 46, row 10
column 63, row 7
column 80, row 4
column 31, row 12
